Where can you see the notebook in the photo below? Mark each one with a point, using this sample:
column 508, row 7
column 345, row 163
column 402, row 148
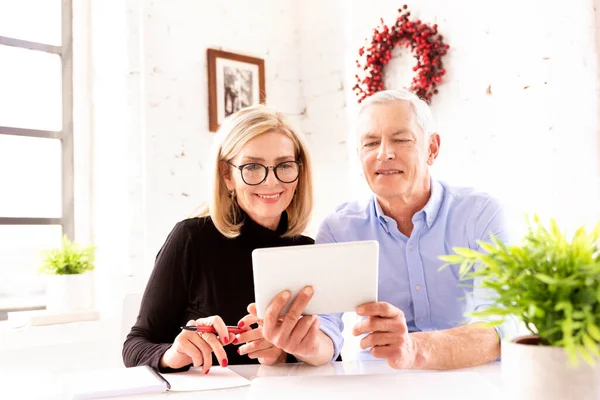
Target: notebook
column 141, row 380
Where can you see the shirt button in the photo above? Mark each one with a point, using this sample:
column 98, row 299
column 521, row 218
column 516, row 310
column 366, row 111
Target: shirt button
column 418, row 287
column 410, row 246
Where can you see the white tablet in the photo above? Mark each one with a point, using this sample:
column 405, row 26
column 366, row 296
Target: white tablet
column 343, row 275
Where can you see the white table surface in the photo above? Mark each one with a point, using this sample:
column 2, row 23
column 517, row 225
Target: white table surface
column 30, row 368
column 33, row 371
column 375, row 379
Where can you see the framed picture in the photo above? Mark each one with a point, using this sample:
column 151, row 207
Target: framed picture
column 235, row 81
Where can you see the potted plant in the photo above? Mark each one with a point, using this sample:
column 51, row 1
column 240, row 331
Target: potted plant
column 551, row 283
column 69, row 285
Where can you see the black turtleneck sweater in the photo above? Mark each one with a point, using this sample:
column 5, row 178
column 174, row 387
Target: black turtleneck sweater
column 199, row 273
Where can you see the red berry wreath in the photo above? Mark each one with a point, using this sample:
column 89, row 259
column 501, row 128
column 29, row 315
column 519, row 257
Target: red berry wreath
column 427, row 46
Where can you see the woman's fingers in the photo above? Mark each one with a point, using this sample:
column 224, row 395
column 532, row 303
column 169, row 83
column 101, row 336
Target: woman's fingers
column 232, row 338
column 248, row 320
column 191, row 346
column 217, row 348
column 217, row 323
column 206, row 352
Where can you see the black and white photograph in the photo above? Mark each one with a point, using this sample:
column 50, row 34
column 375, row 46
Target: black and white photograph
column 238, row 89
column 235, row 81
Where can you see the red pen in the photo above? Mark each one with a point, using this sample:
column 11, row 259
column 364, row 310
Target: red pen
column 211, row 329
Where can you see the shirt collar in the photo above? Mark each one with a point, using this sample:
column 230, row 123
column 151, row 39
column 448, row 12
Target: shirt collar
column 383, row 219
column 430, row 210
column 432, row 207
column 252, row 227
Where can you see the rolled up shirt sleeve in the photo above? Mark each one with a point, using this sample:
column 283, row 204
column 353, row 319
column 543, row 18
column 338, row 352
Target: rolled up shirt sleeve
column 333, row 326
column 494, row 220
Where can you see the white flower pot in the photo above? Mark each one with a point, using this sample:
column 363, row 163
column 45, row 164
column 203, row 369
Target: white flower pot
column 70, row 293
column 532, row 372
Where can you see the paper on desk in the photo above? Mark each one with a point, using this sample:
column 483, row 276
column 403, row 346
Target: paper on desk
column 113, row 382
column 195, row 379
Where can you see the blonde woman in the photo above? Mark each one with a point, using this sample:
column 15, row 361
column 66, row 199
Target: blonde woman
column 261, row 197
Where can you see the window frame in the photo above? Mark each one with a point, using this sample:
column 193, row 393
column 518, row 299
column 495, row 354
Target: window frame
column 65, row 52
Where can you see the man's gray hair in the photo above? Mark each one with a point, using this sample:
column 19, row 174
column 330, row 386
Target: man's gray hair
column 420, row 108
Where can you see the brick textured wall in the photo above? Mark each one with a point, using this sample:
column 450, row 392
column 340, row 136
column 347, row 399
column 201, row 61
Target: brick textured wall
column 517, row 113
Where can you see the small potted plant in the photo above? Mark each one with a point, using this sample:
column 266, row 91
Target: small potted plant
column 551, row 284
column 69, row 285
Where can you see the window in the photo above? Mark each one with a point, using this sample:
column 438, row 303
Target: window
column 36, row 142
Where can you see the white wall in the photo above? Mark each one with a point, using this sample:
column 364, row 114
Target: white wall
column 533, row 142
column 117, row 140
column 175, row 37
column 151, row 120
column 322, row 47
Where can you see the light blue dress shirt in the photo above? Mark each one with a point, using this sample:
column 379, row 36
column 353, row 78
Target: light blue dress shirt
column 409, row 276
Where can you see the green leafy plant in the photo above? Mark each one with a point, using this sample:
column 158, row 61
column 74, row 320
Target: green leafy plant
column 549, row 282
column 69, row 259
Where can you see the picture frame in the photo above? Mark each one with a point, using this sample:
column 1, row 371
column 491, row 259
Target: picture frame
column 235, row 81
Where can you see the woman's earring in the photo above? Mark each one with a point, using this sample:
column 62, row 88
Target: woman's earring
column 232, row 194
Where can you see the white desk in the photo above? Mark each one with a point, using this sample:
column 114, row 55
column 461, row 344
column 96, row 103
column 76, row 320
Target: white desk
column 366, row 380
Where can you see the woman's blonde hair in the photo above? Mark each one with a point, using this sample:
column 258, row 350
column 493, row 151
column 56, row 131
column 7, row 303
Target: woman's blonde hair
column 233, row 134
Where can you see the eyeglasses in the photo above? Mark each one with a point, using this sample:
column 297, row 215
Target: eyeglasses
column 254, row 174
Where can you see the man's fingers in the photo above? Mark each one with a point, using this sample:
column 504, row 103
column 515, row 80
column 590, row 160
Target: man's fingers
column 216, row 347
column 255, row 346
column 378, row 339
column 249, row 336
column 273, row 310
column 367, row 325
column 309, row 342
column 272, row 352
column 380, row 324
column 383, row 351
column 378, row 309
column 300, row 302
column 293, row 314
column 300, row 331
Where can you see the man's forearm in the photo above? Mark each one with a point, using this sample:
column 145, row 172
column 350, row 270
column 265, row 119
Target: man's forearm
column 323, row 353
column 461, row 347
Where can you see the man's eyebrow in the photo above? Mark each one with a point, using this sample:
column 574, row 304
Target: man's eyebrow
column 371, row 135
column 401, row 132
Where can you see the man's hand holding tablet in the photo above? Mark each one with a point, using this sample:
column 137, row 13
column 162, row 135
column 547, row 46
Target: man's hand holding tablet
column 292, row 332
column 293, row 285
